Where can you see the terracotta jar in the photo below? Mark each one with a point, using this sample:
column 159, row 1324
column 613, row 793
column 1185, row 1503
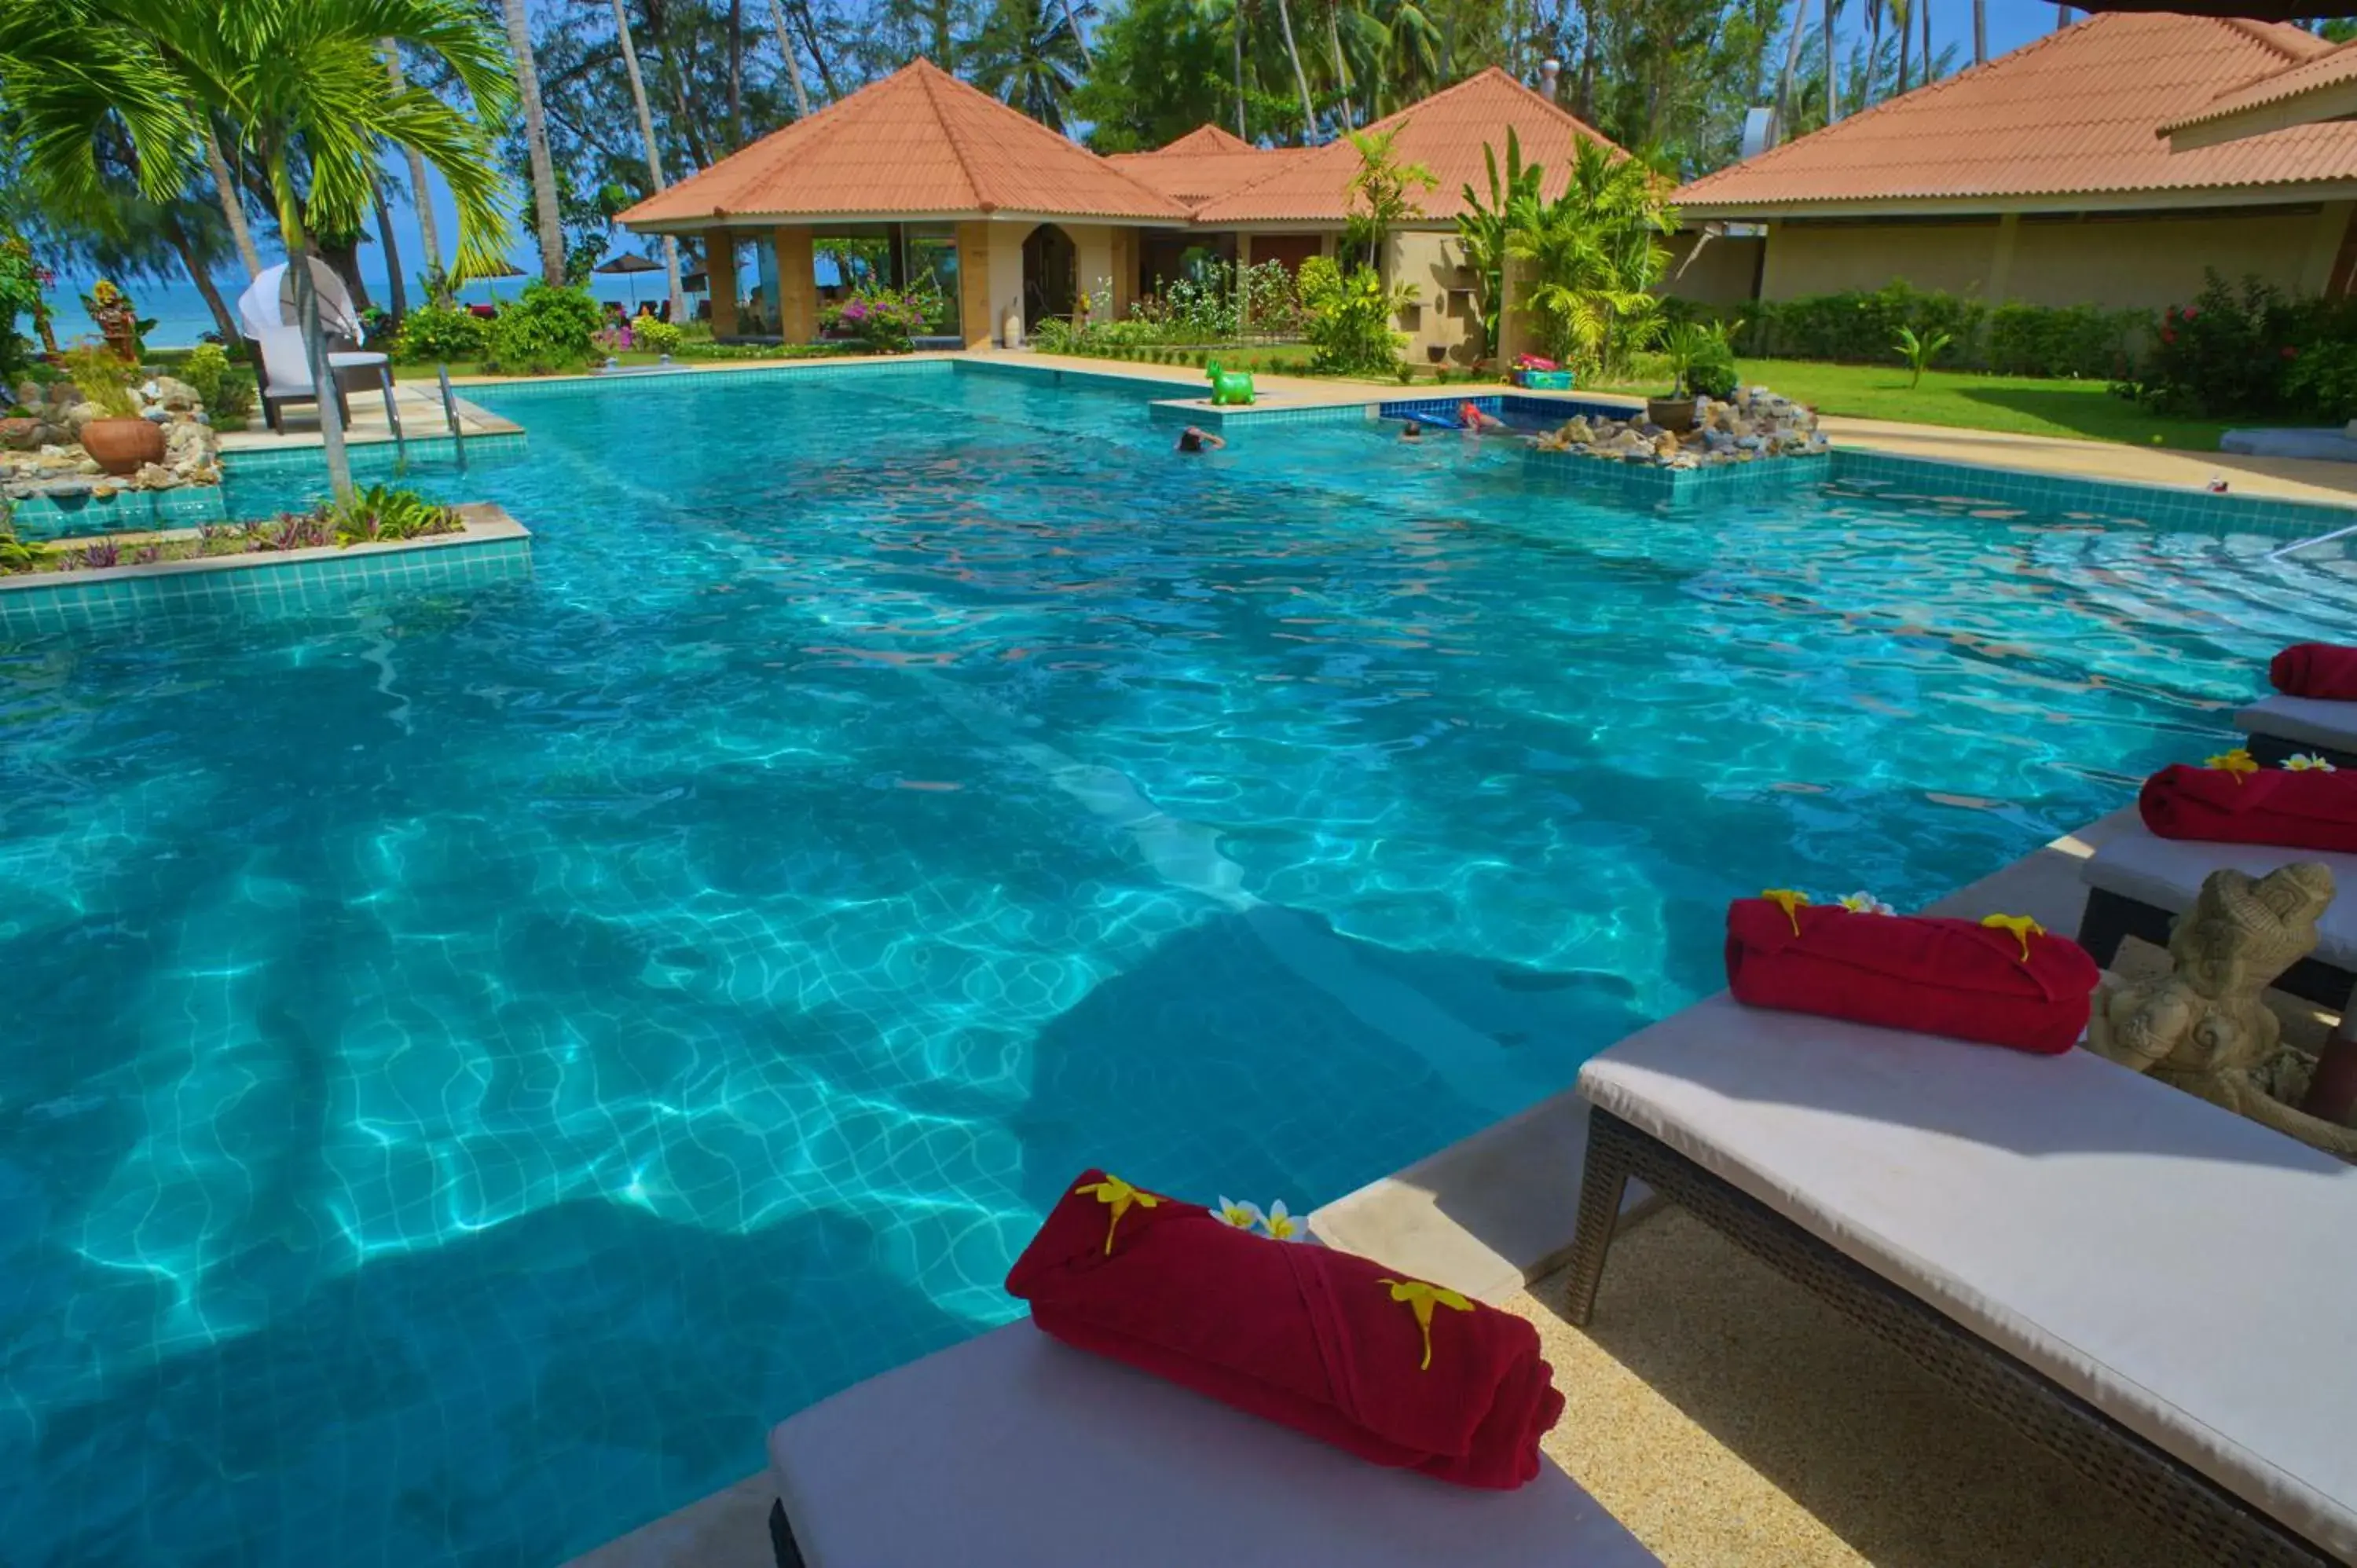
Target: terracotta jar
column 121, row 445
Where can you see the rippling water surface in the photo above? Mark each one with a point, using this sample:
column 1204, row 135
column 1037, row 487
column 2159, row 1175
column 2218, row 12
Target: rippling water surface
column 476, row 1060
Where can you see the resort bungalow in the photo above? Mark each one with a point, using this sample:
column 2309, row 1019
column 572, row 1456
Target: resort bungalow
column 2062, row 173
column 1027, row 222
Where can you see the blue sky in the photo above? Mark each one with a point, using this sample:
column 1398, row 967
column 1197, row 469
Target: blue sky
column 2011, row 22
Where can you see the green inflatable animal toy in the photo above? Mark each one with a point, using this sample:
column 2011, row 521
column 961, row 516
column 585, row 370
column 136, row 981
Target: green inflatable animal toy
column 1233, row 387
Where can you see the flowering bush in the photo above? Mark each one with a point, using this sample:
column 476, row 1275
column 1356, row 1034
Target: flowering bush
column 657, row 337
column 1350, row 324
column 2252, row 350
column 885, row 319
column 547, row 328
column 439, row 332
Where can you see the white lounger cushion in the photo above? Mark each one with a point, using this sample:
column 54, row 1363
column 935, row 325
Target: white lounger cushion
column 2166, row 874
column 2181, row 1269
column 2309, row 720
column 1013, row 1451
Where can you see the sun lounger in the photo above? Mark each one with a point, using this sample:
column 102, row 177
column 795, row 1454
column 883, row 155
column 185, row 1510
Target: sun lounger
column 2137, row 883
column 2135, row 1278
column 2279, row 727
column 1013, row 1451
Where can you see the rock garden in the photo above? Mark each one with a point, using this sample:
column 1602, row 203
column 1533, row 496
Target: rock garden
column 1751, row 424
column 109, row 426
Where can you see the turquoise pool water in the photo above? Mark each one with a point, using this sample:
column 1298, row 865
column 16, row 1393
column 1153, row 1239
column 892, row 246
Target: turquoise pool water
column 480, row 1059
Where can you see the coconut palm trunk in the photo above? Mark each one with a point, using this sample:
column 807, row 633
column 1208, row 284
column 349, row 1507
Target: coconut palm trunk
column 1980, row 32
column 1342, row 71
column 1833, row 66
column 399, row 290
column 647, row 134
column 1236, row 47
column 1924, row 6
column 177, row 236
column 638, row 88
column 1791, row 67
column 1300, row 77
column 1072, row 21
column 546, row 221
column 420, row 197
column 232, row 206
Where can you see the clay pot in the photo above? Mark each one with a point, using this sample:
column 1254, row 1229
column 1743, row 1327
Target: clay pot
column 121, row 445
column 1670, row 412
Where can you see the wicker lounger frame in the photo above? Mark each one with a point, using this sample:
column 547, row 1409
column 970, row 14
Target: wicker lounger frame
column 2218, row 1525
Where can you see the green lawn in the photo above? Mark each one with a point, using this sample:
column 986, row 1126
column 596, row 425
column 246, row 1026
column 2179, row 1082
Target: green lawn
column 2023, row 405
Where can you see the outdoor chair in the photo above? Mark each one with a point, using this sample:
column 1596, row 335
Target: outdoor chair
column 1014, row 1451
column 286, row 376
column 2139, row 883
column 2137, row 1280
column 2281, row 726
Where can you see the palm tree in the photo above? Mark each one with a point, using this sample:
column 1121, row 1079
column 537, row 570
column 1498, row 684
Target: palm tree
column 794, row 80
column 1028, row 60
column 437, row 290
column 1901, row 14
column 1596, row 253
column 1482, row 229
column 647, row 137
column 1980, row 32
column 1833, row 66
column 1300, row 77
column 233, row 202
column 302, row 85
column 1228, row 16
column 546, row 220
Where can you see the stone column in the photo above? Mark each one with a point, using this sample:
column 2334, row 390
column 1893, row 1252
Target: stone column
column 720, row 279
column 1124, row 272
column 797, row 286
column 2334, row 221
column 973, row 286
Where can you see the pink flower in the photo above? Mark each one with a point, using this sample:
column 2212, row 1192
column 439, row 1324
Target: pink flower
column 2190, row 313
column 2166, row 335
column 2290, row 352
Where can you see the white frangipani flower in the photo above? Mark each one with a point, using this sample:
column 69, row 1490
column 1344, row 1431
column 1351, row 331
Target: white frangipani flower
column 2309, row 762
column 1283, row 1225
column 1865, row 903
column 1243, row 1216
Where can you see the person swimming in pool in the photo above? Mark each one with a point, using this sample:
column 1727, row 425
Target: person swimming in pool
column 1193, row 440
column 1413, row 433
column 1477, row 422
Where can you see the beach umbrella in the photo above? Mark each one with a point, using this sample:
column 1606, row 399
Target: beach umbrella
column 629, row 266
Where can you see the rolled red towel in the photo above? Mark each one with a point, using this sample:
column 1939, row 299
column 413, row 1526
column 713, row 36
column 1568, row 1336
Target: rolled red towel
column 2316, row 670
column 1393, row 1369
column 2298, row 809
column 2008, row 984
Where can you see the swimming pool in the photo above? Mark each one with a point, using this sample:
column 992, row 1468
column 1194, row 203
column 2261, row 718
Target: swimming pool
column 480, row 1059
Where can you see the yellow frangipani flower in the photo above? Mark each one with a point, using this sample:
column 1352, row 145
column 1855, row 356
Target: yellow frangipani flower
column 2021, row 926
column 2309, row 762
column 1421, row 1298
column 2236, row 762
column 1280, row 1224
column 1789, row 900
column 1117, row 1195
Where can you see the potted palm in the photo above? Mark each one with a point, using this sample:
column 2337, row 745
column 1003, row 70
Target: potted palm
column 1701, row 364
column 118, row 440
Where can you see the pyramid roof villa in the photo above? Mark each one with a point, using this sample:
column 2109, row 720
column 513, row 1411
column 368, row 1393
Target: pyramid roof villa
column 1204, row 163
column 2075, row 119
column 1446, row 133
column 922, row 144
column 918, row 143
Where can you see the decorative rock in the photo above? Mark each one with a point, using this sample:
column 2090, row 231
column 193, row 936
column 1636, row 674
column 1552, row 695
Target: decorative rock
column 1723, row 433
column 172, row 393
column 21, row 435
column 153, row 477
column 78, row 415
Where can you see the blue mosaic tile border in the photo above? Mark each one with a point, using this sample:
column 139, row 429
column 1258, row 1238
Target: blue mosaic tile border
column 46, row 517
column 497, row 395
column 1056, row 375
column 1641, row 484
column 306, row 584
column 1175, row 412
column 1443, row 410
column 371, row 458
column 1884, row 475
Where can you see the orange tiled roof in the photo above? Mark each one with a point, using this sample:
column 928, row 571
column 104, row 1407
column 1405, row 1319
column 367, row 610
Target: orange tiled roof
column 2335, row 68
column 919, row 142
column 2072, row 114
column 1204, row 163
column 1445, row 132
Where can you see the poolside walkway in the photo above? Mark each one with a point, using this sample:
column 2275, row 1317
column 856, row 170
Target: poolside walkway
column 422, row 417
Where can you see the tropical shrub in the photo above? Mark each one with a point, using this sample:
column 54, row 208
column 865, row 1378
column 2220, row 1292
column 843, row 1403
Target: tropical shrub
column 1698, row 360
column 106, row 379
column 2320, row 382
column 1350, row 322
column 1862, row 327
column 2230, row 349
column 382, row 513
column 440, row 333
column 21, row 282
column 227, row 392
column 548, row 329
column 1596, row 254
column 657, row 337
column 1917, row 352
column 887, row 320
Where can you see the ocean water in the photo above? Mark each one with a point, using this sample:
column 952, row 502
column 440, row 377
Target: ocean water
column 480, row 1058
column 182, row 319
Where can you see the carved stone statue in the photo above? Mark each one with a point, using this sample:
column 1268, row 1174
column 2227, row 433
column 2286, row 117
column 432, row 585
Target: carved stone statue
column 2202, row 1026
